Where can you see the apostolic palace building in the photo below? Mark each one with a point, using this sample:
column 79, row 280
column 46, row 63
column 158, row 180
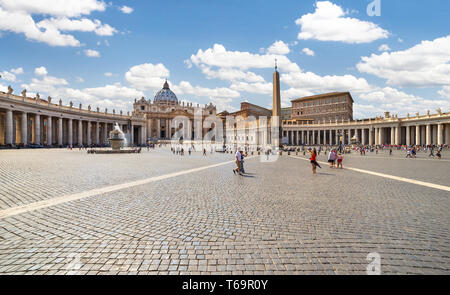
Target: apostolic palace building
column 325, row 119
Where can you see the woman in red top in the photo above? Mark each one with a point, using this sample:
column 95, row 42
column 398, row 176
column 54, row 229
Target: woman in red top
column 314, row 163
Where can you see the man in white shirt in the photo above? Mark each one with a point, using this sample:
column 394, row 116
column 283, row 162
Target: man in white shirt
column 238, row 163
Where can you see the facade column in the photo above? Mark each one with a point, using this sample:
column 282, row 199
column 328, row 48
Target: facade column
column 70, row 141
column 313, row 137
column 24, row 129
column 158, row 128
column 408, row 135
column 37, row 129
column 336, row 135
column 371, row 136
column 9, row 127
column 302, row 140
column 80, row 132
column 440, row 135
column 418, row 135
column 60, row 131
column 381, row 136
column 447, row 133
column 132, row 134
column 49, row 131
column 89, row 139
column 307, row 137
column 428, row 134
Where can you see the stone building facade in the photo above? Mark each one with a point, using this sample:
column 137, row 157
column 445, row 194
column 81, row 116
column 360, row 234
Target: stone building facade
column 160, row 114
column 323, row 107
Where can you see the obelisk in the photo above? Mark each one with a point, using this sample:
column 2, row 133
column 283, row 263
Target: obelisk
column 276, row 110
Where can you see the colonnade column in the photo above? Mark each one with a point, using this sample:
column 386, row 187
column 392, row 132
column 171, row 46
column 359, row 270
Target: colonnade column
column 24, row 129
column 97, row 133
column 89, row 139
column 428, row 132
column 330, row 137
column 408, row 135
column 363, row 135
column 9, row 127
column 60, row 131
column 49, row 131
column 418, row 135
column 37, row 129
column 349, row 136
column 80, row 132
column 105, row 133
column 70, row 139
column 392, row 135
column 397, row 136
column 440, row 135
column 371, row 136
column 302, row 142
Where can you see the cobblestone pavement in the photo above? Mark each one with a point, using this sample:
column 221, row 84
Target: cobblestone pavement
column 279, row 219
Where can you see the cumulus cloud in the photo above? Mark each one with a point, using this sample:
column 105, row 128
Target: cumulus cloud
column 91, row 53
column 9, row 76
column 445, row 92
column 308, row 51
column 425, row 64
column 127, row 10
column 279, row 47
column 16, row 16
column 259, row 87
column 186, row 87
column 82, row 25
column 219, row 56
column 308, row 82
column 230, row 74
column 21, row 22
column 395, row 101
column 384, row 47
column 17, row 71
column 147, row 76
column 328, row 23
column 41, row 71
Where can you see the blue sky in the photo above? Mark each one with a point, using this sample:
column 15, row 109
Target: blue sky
column 107, row 54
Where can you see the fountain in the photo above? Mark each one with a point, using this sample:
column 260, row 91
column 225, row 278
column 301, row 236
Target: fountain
column 116, row 138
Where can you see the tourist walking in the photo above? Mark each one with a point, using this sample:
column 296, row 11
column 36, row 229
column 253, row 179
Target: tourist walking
column 314, row 163
column 238, row 163
column 331, row 158
column 340, row 159
column 242, row 161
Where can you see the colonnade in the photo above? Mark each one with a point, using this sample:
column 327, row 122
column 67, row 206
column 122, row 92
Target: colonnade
column 430, row 133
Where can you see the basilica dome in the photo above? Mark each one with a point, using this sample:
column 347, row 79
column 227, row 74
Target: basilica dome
column 166, row 95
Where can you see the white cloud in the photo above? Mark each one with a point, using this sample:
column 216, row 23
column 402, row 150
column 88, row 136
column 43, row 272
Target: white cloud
column 426, row 64
column 311, row 82
column 445, row 92
column 7, row 76
column 395, row 101
column 107, row 74
column 308, row 51
column 259, row 87
column 279, row 47
column 328, row 23
column 218, row 56
column 186, row 87
column 69, row 8
column 41, row 71
column 17, row 16
column 21, row 22
column 384, row 47
column 79, row 79
column 230, row 74
column 17, row 71
column 92, row 53
column 147, row 76
column 127, row 10
column 82, row 25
